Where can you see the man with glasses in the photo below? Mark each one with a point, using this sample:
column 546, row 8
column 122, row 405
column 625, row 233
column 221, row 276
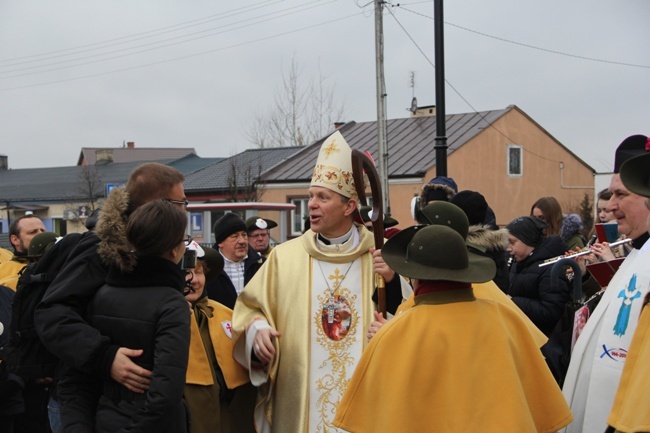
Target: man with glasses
column 259, row 235
column 60, row 317
column 241, row 261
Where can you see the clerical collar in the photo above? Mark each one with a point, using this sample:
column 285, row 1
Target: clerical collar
column 638, row 242
column 336, row 241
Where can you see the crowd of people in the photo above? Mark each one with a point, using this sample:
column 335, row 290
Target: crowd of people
column 133, row 326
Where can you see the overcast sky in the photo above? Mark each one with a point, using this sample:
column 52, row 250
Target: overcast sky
column 170, row 73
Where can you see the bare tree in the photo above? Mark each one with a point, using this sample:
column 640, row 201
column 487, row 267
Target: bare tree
column 301, row 113
column 243, row 181
column 90, row 185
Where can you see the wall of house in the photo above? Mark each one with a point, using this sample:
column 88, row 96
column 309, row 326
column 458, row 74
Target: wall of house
column 548, row 169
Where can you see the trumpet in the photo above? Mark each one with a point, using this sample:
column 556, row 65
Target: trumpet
column 584, row 252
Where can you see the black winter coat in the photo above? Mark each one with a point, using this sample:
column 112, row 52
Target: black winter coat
column 222, row 290
column 531, row 288
column 145, row 309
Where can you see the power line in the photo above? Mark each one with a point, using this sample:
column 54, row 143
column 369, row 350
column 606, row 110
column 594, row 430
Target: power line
column 560, row 53
column 490, row 124
column 265, row 38
column 177, row 41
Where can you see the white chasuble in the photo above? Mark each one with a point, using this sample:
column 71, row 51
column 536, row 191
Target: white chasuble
column 599, row 354
column 337, row 338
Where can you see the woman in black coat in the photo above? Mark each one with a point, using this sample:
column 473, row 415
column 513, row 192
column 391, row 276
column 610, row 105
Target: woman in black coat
column 141, row 306
column 530, row 285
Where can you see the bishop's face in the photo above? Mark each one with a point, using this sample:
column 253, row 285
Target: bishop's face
column 330, row 214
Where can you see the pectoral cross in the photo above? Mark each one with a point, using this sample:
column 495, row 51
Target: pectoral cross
column 337, row 278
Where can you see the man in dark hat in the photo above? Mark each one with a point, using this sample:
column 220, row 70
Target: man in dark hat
column 459, row 348
column 599, row 355
column 389, row 222
column 241, row 261
column 259, row 235
column 631, row 401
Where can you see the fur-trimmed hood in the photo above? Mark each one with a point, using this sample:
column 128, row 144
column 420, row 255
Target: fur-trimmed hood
column 447, row 190
column 111, row 230
column 571, row 224
column 483, row 236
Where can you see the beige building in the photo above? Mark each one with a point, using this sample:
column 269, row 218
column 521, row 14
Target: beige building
column 503, row 154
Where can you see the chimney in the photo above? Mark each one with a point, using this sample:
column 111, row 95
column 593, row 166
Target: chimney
column 426, row 111
column 103, row 156
column 130, row 144
column 4, row 162
column 338, row 125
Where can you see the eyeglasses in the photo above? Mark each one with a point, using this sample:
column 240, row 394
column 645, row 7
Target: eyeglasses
column 183, row 203
column 188, row 240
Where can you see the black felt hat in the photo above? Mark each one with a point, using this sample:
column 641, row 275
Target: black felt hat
column 255, row 223
column 632, row 146
column 635, row 174
column 366, row 215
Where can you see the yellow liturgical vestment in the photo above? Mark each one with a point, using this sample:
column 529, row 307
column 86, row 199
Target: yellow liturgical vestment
column 282, row 293
column 468, row 365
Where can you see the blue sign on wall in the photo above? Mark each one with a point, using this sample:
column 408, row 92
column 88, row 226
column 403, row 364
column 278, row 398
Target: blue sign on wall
column 110, row 186
column 196, row 222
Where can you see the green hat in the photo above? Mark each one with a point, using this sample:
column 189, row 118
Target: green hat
column 436, row 252
column 366, row 215
column 213, row 261
column 446, row 214
column 40, row 244
column 257, row 223
column 635, row 174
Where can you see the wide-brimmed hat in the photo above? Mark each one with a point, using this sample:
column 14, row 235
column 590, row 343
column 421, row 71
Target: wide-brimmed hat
column 366, row 216
column 41, row 243
column 635, row 174
column 258, row 223
column 436, row 252
column 632, row 146
column 446, row 214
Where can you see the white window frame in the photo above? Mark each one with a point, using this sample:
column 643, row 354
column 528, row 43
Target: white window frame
column 521, row 160
column 299, row 212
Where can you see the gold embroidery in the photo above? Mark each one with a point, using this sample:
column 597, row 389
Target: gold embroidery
column 331, row 148
column 336, row 322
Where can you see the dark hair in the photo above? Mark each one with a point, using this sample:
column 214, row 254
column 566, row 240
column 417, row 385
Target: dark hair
column 155, row 228
column 552, row 212
column 151, row 181
column 605, row 194
column 13, row 227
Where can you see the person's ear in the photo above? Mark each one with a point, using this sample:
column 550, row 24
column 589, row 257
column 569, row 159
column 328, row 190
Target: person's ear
column 350, row 206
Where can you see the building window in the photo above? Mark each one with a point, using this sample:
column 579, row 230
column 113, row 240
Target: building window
column 515, row 160
column 298, row 215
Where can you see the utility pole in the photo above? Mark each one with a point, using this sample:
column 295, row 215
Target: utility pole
column 441, row 129
column 382, row 169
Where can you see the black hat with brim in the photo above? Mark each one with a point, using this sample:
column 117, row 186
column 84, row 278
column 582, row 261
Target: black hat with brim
column 635, row 174
column 257, row 223
column 437, row 253
column 366, row 215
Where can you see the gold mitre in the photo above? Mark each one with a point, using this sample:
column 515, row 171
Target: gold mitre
column 334, row 166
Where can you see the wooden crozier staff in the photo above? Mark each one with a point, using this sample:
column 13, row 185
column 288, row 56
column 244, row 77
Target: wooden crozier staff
column 361, row 162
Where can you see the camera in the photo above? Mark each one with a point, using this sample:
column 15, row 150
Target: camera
column 189, row 259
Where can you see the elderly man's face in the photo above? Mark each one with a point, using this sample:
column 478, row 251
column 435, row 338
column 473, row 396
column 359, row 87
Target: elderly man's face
column 629, row 209
column 235, row 246
column 27, row 229
column 259, row 239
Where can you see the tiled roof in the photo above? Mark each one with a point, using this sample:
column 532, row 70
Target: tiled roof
column 410, row 144
column 55, row 184
column 249, row 164
column 140, row 154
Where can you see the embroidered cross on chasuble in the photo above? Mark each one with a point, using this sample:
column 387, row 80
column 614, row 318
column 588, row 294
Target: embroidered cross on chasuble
column 336, row 341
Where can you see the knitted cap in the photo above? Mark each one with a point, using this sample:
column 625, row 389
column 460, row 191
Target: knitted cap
column 529, row 230
column 473, row 204
column 226, row 225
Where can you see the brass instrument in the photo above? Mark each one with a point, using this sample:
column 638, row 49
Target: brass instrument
column 584, row 252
